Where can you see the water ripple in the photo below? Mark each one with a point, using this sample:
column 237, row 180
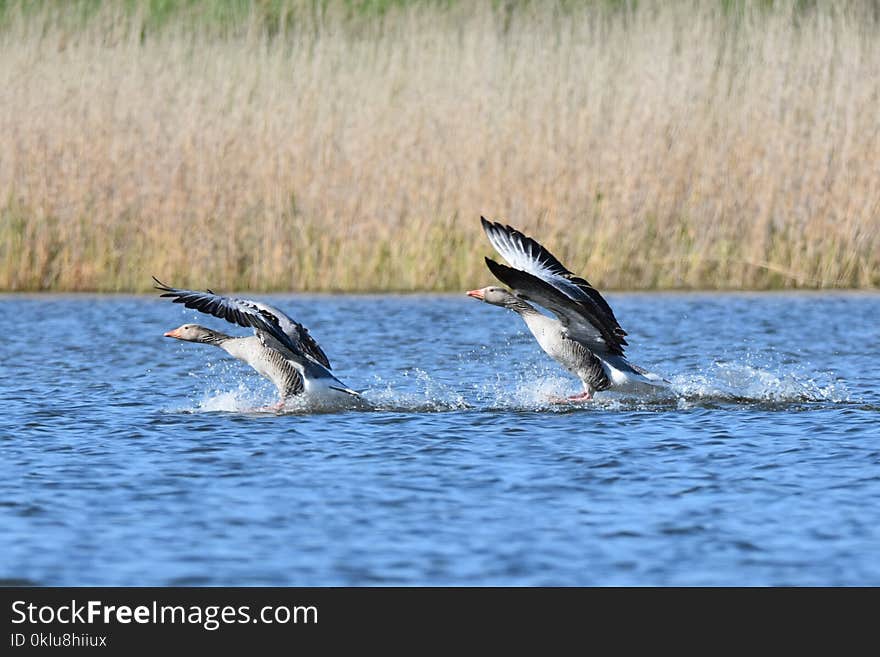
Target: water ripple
column 148, row 462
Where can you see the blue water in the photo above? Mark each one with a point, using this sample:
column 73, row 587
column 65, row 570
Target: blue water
column 130, row 459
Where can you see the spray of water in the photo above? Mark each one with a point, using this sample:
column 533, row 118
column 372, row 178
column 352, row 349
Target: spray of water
column 748, row 382
column 540, row 387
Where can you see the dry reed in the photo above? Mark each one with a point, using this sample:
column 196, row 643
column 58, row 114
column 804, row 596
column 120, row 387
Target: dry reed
column 662, row 146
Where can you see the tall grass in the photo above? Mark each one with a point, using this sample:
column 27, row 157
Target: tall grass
column 353, row 146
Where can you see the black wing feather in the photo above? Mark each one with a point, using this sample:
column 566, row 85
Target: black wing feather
column 526, row 253
column 250, row 314
column 579, row 318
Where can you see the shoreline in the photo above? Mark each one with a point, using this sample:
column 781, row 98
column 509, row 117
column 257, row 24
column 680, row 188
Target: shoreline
column 5, row 295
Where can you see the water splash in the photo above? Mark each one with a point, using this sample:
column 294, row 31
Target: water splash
column 541, row 387
column 227, row 388
column 417, row 392
column 746, row 382
column 535, row 390
column 722, row 382
column 241, row 399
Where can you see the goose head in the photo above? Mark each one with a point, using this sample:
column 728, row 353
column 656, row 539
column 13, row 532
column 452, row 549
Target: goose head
column 497, row 296
column 193, row 333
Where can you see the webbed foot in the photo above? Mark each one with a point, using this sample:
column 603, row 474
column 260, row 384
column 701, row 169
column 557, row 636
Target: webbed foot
column 581, row 397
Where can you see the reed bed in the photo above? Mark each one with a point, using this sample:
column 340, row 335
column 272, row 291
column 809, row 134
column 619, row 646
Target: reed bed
column 325, row 146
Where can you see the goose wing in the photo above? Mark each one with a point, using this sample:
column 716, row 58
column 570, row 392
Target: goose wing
column 527, row 255
column 250, row 314
column 578, row 320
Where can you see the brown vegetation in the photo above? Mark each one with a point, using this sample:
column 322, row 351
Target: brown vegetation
column 672, row 145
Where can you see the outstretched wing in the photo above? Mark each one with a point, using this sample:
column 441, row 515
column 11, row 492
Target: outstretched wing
column 250, row 314
column 527, row 255
column 579, row 321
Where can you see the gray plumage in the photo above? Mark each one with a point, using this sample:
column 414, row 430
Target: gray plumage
column 281, row 348
column 250, row 314
column 585, row 336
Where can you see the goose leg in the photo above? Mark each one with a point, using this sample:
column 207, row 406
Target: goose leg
column 277, row 406
column 581, row 397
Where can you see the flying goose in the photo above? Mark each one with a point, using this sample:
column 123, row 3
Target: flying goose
column 585, row 337
column 281, row 349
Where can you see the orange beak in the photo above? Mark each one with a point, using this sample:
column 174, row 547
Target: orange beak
column 172, row 334
column 476, row 294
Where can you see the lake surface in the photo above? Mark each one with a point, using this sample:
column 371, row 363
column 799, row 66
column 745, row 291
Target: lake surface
column 131, row 459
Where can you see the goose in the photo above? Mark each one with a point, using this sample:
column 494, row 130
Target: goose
column 281, row 348
column 584, row 336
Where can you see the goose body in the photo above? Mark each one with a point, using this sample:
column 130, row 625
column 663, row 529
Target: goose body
column 268, row 362
column 573, row 356
column 584, row 336
column 281, row 349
